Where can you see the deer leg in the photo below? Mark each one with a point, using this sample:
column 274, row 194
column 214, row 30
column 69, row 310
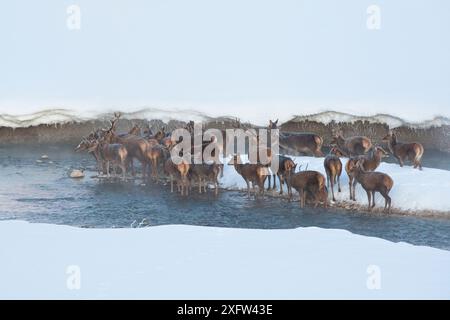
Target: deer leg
column 248, row 188
column 354, row 189
column 332, row 187
column 107, row 168
column 274, row 182
column 133, row 173
column 280, row 178
column 339, row 183
column 373, row 199
column 350, row 182
column 387, row 200
column 369, row 197
column 268, row 187
column 199, row 185
column 303, row 200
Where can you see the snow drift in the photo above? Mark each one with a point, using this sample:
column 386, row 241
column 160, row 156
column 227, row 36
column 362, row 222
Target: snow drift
column 187, row 262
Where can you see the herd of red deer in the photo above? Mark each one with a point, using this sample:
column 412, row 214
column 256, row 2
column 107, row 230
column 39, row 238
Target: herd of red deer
column 151, row 150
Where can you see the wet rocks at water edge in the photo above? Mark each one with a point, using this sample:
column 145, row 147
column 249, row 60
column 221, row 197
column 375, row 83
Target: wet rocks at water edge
column 77, row 174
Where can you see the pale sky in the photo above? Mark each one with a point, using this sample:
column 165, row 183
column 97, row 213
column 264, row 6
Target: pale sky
column 227, row 56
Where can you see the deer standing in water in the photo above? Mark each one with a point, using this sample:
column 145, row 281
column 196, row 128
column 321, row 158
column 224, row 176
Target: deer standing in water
column 183, row 168
column 304, row 182
column 373, row 182
column 207, row 173
column 136, row 146
column 333, row 169
column 286, row 167
column 309, row 143
column 84, row 145
column 352, row 146
column 401, row 151
column 114, row 153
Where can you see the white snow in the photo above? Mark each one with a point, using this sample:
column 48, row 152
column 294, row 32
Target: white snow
column 187, row 262
column 259, row 116
column 413, row 190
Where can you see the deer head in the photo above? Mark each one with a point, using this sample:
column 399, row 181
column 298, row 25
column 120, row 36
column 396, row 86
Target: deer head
column 273, row 124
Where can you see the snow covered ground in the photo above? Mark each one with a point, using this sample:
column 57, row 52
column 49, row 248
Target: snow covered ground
column 413, row 190
column 187, row 262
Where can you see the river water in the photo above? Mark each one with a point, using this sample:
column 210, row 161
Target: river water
column 41, row 191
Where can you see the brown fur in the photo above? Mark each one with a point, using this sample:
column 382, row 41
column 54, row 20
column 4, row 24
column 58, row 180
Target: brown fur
column 333, row 169
column 115, row 153
column 206, row 173
column 308, row 143
column 373, row 182
column 369, row 162
column 401, row 151
column 251, row 173
column 352, row 146
column 307, row 181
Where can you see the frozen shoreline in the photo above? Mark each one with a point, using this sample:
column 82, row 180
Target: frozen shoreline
column 415, row 192
column 187, row 262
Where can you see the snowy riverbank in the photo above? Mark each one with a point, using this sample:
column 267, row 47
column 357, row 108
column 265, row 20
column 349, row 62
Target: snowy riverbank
column 44, row 261
column 414, row 191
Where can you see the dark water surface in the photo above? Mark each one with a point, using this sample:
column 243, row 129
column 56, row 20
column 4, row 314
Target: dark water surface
column 43, row 192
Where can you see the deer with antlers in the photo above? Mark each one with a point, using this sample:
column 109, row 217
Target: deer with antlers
column 402, row 151
column 136, row 146
column 114, row 153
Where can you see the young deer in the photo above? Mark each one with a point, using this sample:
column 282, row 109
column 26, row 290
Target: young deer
column 308, row 143
column 352, row 146
column 373, row 182
column 154, row 154
column 333, row 169
column 307, row 181
column 369, row 162
column 251, row 173
column 401, row 151
column 115, row 153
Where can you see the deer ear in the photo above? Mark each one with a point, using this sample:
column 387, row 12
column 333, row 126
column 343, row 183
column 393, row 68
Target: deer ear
column 276, row 122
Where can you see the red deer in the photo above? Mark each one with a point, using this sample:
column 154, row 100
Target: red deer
column 309, row 143
column 352, row 146
column 255, row 174
column 317, row 196
column 401, row 151
column 307, row 181
column 84, row 145
column 333, row 169
column 373, row 182
column 171, row 170
column 370, row 162
column 154, row 154
column 285, row 168
column 183, row 168
column 206, row 173
column 136, row 146
column 115, row 153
